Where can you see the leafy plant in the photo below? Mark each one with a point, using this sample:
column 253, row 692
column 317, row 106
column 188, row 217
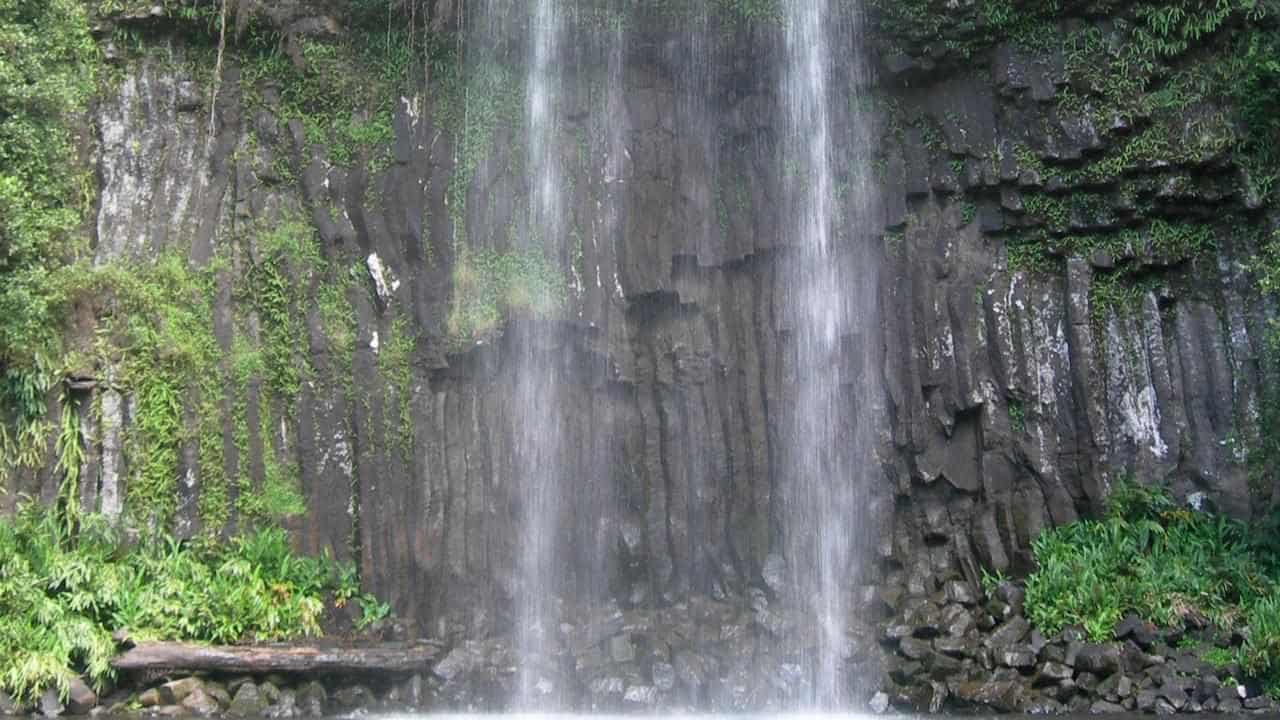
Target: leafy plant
column 62, row 593
column 1150, row 556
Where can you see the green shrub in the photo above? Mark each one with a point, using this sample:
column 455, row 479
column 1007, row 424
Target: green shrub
column 63, row 593
column 1170, row 565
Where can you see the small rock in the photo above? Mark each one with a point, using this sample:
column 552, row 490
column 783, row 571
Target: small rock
column 915, row 649
column 353, row 696
column 1053, row 673
column 1164, row 707
column 247, row 703
column 664, row 676
column 1229, row 705
column 7, row 705
column 80, row 698
column 149, row 698
column 312, row 700
column 50, row 704
column 269, row 692
column 954, row 646
column 621, row 649
column 198, row 702
column 774, row 573
column 1016, row 657
column 958, row 591
column 1261, row 702
column 459, row 661
column 1012, row 595
column 879, row 703
column 1010, row 633
column 645, row 695
column 1101, row 660
column 173, row 693
column 285, row 707
column 1102, row 707
column 1136, row 629
column 606, row 686
column 1002, row 695
column 218, row 693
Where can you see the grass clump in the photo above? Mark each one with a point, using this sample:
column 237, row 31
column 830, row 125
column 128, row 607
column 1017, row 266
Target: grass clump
column 1168, row 564
column 64, row 591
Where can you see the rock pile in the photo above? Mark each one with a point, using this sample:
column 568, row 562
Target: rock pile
column 954, row 652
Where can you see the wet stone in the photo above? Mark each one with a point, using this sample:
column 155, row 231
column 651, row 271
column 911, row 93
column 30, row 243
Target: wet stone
column 643, row 695
column 248, row 702
column 621, row 649
column 664, row 676
column 958, row 591
column 198, row 702
column 1017, row 657
column 915, row 649
column 50, row 704
column 1053, row 672
column 1010, row 633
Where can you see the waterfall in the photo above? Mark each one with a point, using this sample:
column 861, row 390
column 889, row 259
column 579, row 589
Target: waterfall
column 829, row 297
column 537, row 411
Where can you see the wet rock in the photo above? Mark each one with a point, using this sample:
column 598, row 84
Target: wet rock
column 353, row 696
column 1002, row 695
column 1053, row 673
column 1260, row 702
column 269, row 691
column 958, row 591
column 956, row 620
column 1102, row 707
column 247, row 703
column 7, row 705
column 50, row 704
column 879, row 703
column 1098, row 659
column 774, row 573
column 621, row 648
column 664, row 676
column 1017, row 657
column 218, row 693
column 149, row 698
column 641, row 695
column 460, row 661
column 915, row 649
column 954, row 646
column 313, row 700
column 198, row 702
column 285, row 707
column 1010, row 633
column 1013, row 595
column 174, row 692
column 604, row 687
column 80, row 697
column 1136, row 629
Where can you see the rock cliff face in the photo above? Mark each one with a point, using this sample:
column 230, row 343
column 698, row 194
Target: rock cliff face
column 1065, row 298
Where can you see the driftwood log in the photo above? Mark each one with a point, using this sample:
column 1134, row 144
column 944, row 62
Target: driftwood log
column 262, row 659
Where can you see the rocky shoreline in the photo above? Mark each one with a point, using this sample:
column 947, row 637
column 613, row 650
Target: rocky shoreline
column 956, row 651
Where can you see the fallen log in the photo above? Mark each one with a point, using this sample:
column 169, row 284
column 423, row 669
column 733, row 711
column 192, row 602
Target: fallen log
column 263, row 659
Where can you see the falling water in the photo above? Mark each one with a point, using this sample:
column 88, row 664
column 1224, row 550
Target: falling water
column 829, row 303
column 538, row 425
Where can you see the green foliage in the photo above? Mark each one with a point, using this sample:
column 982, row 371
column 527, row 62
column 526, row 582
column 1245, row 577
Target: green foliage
column 488, row 285
column 47, row 72
column 1168, row 564
column 1017, row 416
column 62, row 594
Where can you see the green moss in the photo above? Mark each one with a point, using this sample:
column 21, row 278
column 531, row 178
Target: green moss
column 488, row 285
